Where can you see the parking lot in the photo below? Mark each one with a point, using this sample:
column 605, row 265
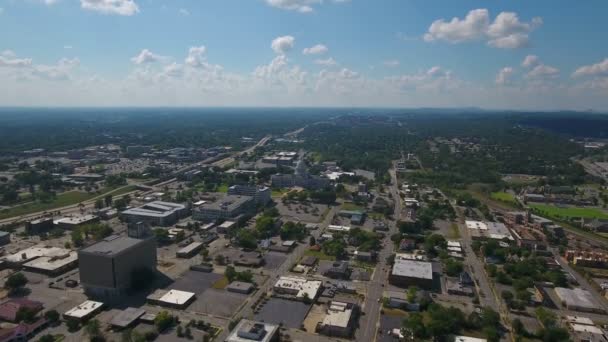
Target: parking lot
column 218, row 302
column 197, row 282
column 290, row 313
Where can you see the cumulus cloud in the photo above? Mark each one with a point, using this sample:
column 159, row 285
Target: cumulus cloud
column 118, row 7
column 184, row 11
column 530, row 60
column 597, row 69
column 196, row 56
column 282, row 45
column 504, row 76
column 146, row 56
column 505, row 32
column 391, row 63
column 9, row 60
column 326, row 62
column 318, row 49
column 543, row 71
column 302, row 6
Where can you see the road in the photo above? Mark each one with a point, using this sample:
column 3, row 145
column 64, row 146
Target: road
column 229, row 160
column 375, row 288
column 246, row 311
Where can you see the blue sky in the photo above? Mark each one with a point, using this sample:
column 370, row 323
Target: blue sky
column 378, row 53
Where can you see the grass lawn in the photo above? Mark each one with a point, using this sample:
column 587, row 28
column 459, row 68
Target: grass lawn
column 61, row 200
column 320, row 255
column 504, row 197
column 222, row 188
column 566, row 212
column 279, row 192
column 352, row 206
column 221, row 283
column 454, row 231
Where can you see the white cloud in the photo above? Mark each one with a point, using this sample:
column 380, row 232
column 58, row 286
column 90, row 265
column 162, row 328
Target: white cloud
column 597, row 69
column 119, row 7
column 302, row 6
column 9, row 60
column 184, row 11
column 68, row 47
column 326, row 62
column 543, row 71
column 391, row 63
column 505, row 32
column 196, row 56
column 530, row 60
column 59, row 72
column 282, row 45
column 146, row 56
column 318, row 49
column 504, row 76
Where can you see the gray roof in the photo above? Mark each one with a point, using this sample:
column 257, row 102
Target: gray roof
column 413, row 269
column 112, row 245
column 229, row 202
column 127, row 317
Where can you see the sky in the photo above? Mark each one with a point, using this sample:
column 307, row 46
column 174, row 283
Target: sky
column 521, row 55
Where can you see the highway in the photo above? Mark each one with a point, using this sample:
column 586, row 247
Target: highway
column 229, row 160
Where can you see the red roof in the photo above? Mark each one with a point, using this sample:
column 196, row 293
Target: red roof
column 9, row 309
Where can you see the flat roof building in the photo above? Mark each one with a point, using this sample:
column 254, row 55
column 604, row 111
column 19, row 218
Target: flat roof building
column 173, row 298
column 84, row 311
column 29, row 254
column 190, row 250
column 240, row 287
column 261, row 195
column 339, row 320
column 578, row 300
column 248, row 331
column 127, row 317
column 157, row 213
column 228, row 207
column 297, row 287
column 488, row 230
column 53, row 265
column 407, row 273
column 73, row 222
column 106, row 268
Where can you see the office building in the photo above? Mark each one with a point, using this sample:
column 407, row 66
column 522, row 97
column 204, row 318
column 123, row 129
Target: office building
column 339, row 320
column 173, row 298
column 156, row 213
column 300, row 178
column 106, row 268
column 84, row 311
column 39, row 225
column 74, row 222
column 297, row 287
column 406, row 273
column 338, row 270
column 250, row 331
column 261, row 195
column 230, row 206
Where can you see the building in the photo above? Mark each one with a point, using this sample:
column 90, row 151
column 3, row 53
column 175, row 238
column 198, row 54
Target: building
column 488, row 230
column 138, row 150
column 39, row 225
column 173, row 298
column 5, row 238
column 297, row 287
column 84, row 311
column 583, row 258
column 578, row 300
column 513, row 218
column 584, row 330
column 338, row 270
column 127, row 318
column 53, row 265
column 74, row 222
column 228, row 207
column 106, row 267
column 226, row 226
column 300, row 178
column 261, row 195
column 26, row 255
column 455, row 287
column 10, row 308
column 250, row 331
column 240, row 287
column 468, row 339
column 335, row 228
column 156, row 213
column 22, row 331
column 190, row 250
column 340, row 319
column 406, row 273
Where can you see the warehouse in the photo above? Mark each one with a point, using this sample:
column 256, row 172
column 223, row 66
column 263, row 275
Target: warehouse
column 298, row 288
column 190, row 250
column 488, row 230
column 578, row 300
column 53, row 265
column 71, row 223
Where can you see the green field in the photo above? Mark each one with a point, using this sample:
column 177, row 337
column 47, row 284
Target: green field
column 62, row 200
column 222, row 188
column 503, row 197
column 320, row 255
column 568, row 212
column 352, row 206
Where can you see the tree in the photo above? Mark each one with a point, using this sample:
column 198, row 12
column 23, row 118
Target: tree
column 47, row 338
column 163, row 321
column 220, row 259
column 73, row 325
column 52, row 316
column 26, row 315
column 411, row 294
column 93, row 328
column 246, row 239
column 99, row 204
column 15, row 282
column 230, row 273
column 108, row 200
column 414, row 324
column 77, row 239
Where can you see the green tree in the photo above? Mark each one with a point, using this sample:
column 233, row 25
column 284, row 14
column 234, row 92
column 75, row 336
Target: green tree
column 52, row 316
column 15, row 281
column 47, row 338
column 163, row 321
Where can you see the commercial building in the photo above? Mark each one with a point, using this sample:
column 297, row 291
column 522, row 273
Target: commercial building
column 127, row 318
column 173, row 298
column 106, row 267
column 230, row 206
column 71, row 223
column 240, row 287
column 407, row 273
column 297, row 287
column 53, row 265
column 578, row 300
column 39, row 225
column 584, row 258
column 338, row 270
column 249, row 331
column 226, row 226
column 339, row 320
column 84, row 311
column 583, row 329
column 5, row 238
column 26, row 255
column 468, row 339
column 190, row 250
column 300, row 178
column 488, row 230
column 261, row 195
column 156, row 213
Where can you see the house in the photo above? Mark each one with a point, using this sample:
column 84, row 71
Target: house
column 10, row 308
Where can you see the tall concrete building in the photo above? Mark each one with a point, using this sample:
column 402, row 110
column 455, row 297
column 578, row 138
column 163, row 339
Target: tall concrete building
column 230, row 206
column 261, row 195
column 106, row 268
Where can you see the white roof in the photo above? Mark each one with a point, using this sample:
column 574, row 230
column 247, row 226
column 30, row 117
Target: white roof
column 592, row 329
column 84, row 309
column 338, row 315
column 302, row 285
column 476, row 225
column 52, row 263
column 190, row 248
column 576, row 297
column 227, row 224
column 338, row 228
column 75, row 219
column 176, row 297
column 413, row 269
column 199, row 203
column 579, row 320
column 36, row 252
column 452, row 243
column 468, row 339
